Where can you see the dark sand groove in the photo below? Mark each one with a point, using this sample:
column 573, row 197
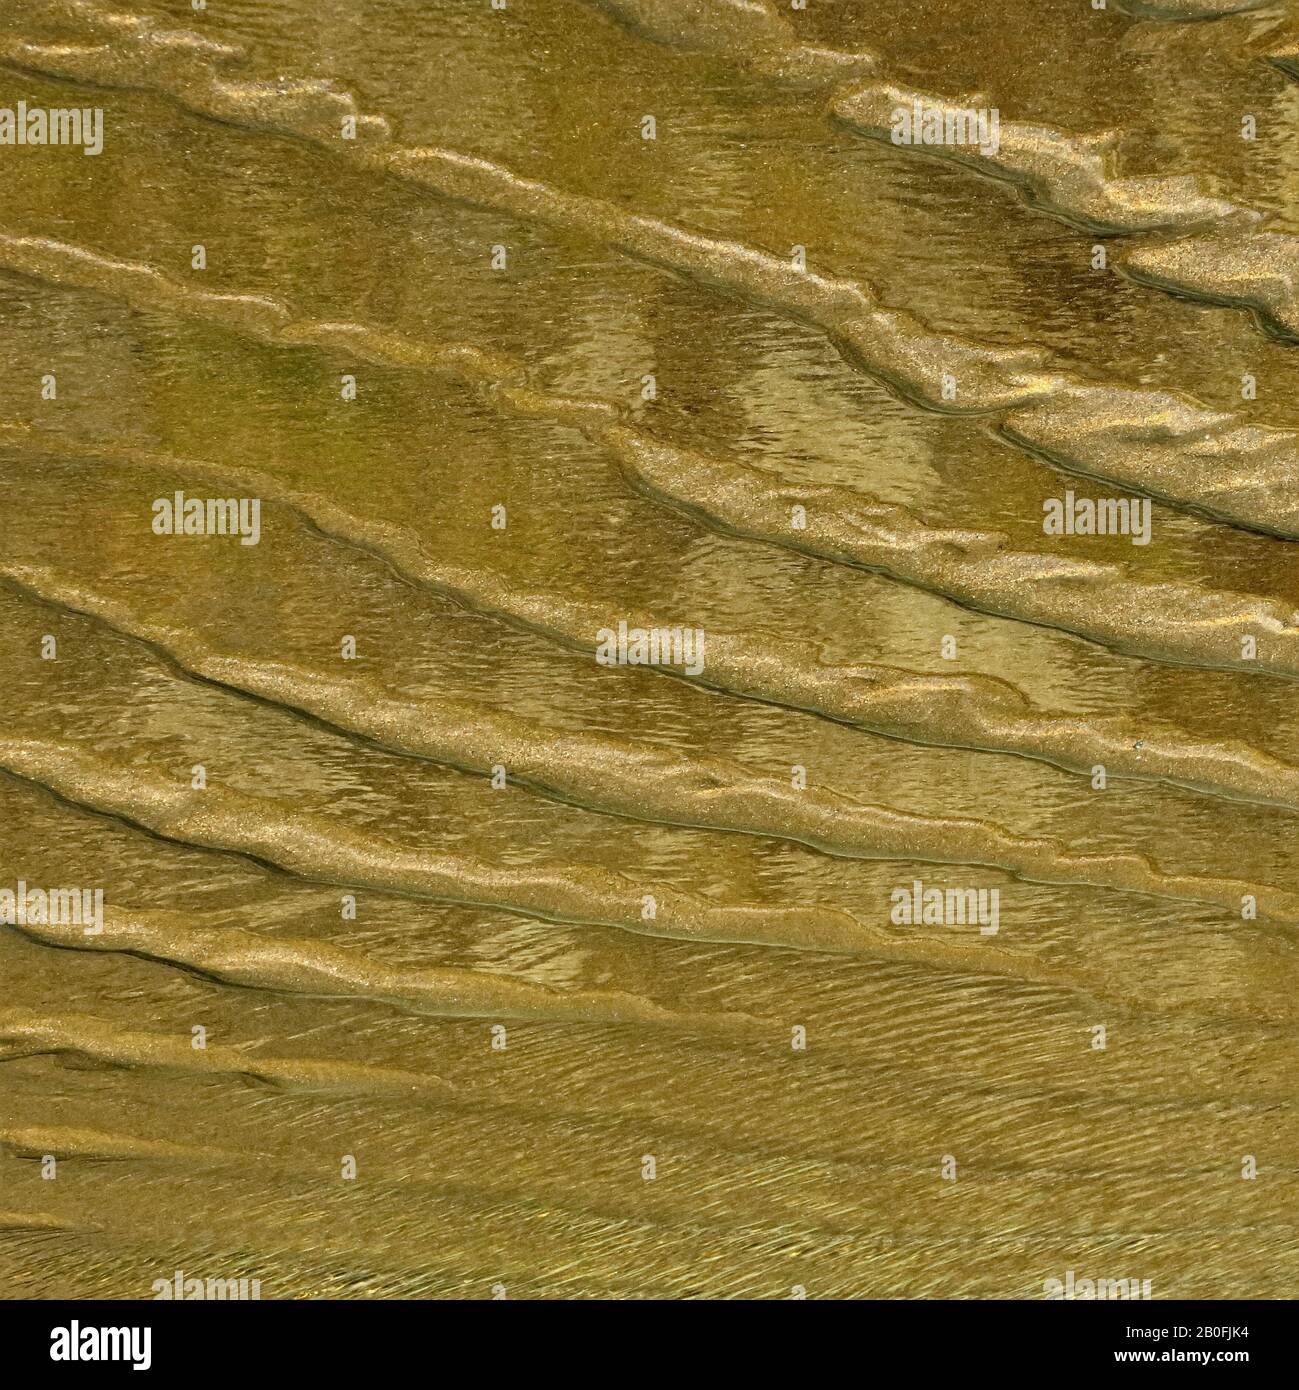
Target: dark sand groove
column 587, row 770
column 1107, row 603
column 1163, row 443
column 1258, row 271
column 50, row 1034
column 1189, row 9
column 977, row 712
column 309, row 960
column 1071, row 176
column 326, row 851
column 320, row 969
column 1287, row 60
column 65, row 1142
column 1225, row 254
column 1193, row 626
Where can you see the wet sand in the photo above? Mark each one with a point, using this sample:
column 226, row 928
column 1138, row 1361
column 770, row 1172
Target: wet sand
column 439, row 957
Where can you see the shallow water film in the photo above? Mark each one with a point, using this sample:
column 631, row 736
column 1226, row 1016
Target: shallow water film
column 649, row 649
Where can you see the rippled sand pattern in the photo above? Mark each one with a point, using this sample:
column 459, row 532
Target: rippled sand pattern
column 928, row 928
